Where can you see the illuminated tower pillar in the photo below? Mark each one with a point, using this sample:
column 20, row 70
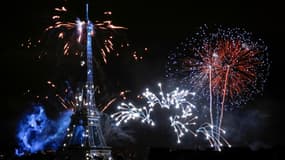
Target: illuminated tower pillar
column 85, row 135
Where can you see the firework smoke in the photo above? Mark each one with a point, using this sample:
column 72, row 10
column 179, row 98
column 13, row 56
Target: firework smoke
column 36, row 132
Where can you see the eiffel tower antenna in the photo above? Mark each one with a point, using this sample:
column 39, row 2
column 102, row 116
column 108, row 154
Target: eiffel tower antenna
column 87, row 13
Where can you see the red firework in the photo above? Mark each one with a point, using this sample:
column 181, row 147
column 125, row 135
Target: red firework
column 227, row 64
column 232, row 65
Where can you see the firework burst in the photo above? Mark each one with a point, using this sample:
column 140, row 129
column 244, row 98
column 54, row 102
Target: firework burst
column 72, row 34
column 131, row 112
column 227, row 65
column 228, row 57
column 69, row 37
column 174, row 100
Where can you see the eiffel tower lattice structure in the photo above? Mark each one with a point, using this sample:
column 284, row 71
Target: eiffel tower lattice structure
column 85, row 139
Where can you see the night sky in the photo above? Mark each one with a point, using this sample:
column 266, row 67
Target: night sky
column 159, row 26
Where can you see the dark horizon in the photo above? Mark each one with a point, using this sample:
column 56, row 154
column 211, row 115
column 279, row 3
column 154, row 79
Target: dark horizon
column 159, row 26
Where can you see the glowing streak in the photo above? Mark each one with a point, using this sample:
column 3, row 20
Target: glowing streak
column 55, row 17
column 66, row 48
column 62, row 9
column 66, row 104
column 223, row 101
column 108, row 12
column 108, row 104
column 79, row 29
column 211, row 98
column 60, row 35
column 104, row 55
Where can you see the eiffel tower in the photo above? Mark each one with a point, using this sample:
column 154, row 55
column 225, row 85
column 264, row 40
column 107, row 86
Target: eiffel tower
column 85, row 139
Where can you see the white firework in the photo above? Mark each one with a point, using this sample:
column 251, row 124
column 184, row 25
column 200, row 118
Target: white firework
column 131, row 112
column 176, row 100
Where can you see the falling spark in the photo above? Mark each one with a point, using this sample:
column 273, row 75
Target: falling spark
column 213, row 136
